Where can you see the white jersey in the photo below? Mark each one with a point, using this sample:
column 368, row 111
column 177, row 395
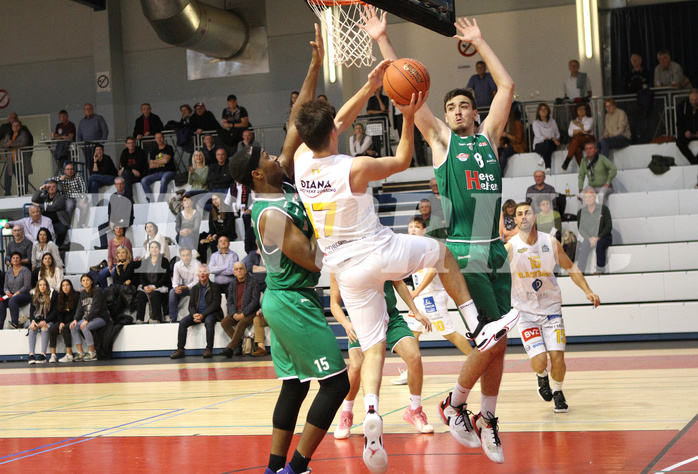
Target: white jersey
column 534, row 288
column 346, row 224
column 434, row 287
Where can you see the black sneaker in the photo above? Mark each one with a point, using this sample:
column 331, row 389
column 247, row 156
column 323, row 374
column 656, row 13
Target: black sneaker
column 31, row 359
column 227, row 352
column 41, row 359
column 560, row 403
column 544, row 391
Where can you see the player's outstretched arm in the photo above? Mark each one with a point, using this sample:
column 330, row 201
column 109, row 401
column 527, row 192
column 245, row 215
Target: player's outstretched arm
column 574, row 272
column 306, row 94
column 497, row 117
column 405, row 295
column 276, row 229
column 336, row 309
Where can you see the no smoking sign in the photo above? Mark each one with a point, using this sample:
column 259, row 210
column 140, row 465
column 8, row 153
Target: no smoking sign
column 466, row 49
column 4, row 98
column 103, row 81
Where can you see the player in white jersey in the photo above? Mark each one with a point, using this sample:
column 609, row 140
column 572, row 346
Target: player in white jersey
column 361, row 252
column 536, row 294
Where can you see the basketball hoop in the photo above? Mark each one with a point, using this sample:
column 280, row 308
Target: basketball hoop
column 352, row 46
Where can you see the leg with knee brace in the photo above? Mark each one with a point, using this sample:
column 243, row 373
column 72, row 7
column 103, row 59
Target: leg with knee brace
column 291, row 397
column 328, row 400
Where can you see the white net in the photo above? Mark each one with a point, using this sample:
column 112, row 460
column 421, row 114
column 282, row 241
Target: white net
column 352, row 46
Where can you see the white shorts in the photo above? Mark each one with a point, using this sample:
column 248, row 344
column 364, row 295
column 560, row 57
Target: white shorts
column 361, row 282
column 435, row 307
column 541, row 333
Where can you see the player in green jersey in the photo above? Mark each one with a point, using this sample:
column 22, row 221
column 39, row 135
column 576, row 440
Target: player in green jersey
column 303, row 346
column 469, row 178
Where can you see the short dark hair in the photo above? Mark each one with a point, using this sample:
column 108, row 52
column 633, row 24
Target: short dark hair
column 469, row 93
column 49, row 236
column 62, row 112
column 232, row 97
column 314, row 123
column 130, row 138
column 481, row 62
column 15, row 253
column 522, row 204
column 156, row 243
column 99, row 145
column 145, row 103
column 418, row 220
column 185, row 105
column 241, row 166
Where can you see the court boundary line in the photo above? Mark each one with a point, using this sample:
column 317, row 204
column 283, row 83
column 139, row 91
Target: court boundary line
column 669, row 445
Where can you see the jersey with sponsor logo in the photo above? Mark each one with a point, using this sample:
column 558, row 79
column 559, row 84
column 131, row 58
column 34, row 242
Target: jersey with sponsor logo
column 534, row 288
column 346, row 224
column 471, row 181
column 433, row 287
column 282, row 272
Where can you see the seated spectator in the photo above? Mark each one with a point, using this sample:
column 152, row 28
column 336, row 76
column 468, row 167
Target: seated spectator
column 687, row 126
column 103, row 173
column 292, row 100
column 616, row 132
column 66, row 305
column 222, row 263
column 577, row 85
column 32, row 224
column 161, row 167
column 187, row 112
column 235, row 120
column 361, row 144
column 119, row 240
column 247, row 140
column 546, row 136
column 21, row 245
column 153, row 276
column 152, row 234
column 548, row 220
column 53, row 205
column 259, row 334
column 507, row 224
column 432, row 222
column 668, row 73
column 202, row 120
column 198, row 173
column 540, row 188
column 243, row 303
column 599, row 171
column 18, row 138
column 65, row 134
column 49, row 271
column 119, row 212
column 638, row 78
column 74, row 191
column 581, row 131
column 483, row 85
column 209, row 149
column 184, row 277
column 188, row 223
column 512, row 140
column 595, row 226
column 148, row 124
column 255, row 268
column 124, row 275
column 204, row 307
column 42, row 313
column 17, row 287
column 221, row 221
column 133, row 165
column 44, row 244
column 91, row 314
column 219, row 178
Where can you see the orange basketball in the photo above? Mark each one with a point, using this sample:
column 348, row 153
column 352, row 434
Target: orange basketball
column 405, row 77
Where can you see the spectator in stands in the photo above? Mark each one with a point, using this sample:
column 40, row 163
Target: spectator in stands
column 188, row 223
column 32, row 224
column 17, row 138
column 93, row 128
column 599, row 171
column 577, row 85
column 66, row 305
column 53, row 205
column 292, row 100
column 243, row 303
column 184, row 277
column 90, row 315
column 209, row 149
column 153, row 276
column 119, row 240
column 198, row 173
column 43, row 311
column 103, row 173
column 152, row 234
column 49, row 271
column 581, row 131
column 204, row 307
column 203, row 120
column 433, row 222
column 119, row 212
column 255, row 268
column 19, row 244
column 6, row 127
column 133, row 165
column 512, row 141
column 222, row 263
column 187, row 112
column 235, row 120
column 221, row 221
column 507, row 224
column 437, row 223
column 638, row 78
column 378, row 103
column 595, row 226
column 74, row 191
column 546, row 136
column 616, row 133
column 247, row 140
column 540, row 188
column 219, row 178
column 65, row 134
column 361, row 144
column 259, row 335
column 148, row 124
column 668, row 73
column 124, row 275
column 548, row 220
column 687, row 126
column 44, row 244
column 17, row 287
column 161, row 167
column 483, row 85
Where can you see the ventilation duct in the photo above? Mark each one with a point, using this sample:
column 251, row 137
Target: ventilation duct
column 197, row 26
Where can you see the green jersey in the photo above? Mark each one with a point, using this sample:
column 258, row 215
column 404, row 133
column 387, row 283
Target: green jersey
column 282, row 272
column 470, row 180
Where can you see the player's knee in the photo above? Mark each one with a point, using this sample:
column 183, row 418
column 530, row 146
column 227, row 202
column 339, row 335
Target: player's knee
column 539, row 363
column 293, row 392
column 329, row 398
column 336, row 386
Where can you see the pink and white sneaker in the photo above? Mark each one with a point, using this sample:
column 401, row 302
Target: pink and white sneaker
column 418, row 419
column 343, row 430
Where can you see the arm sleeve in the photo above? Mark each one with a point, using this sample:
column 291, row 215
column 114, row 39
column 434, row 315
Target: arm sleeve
column 175, row 275
column 80, row 310
column 612, row 170
column 99, row 305
column 580, row 227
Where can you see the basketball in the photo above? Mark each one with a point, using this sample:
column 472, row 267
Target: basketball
column 405, row 77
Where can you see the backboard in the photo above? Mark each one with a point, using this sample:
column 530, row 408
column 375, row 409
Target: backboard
column 436, row 15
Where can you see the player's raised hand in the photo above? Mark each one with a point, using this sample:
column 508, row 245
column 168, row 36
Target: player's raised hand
column 375, row 78
column 594, row 298
column 373, row 24
column 469, row 32
column 415, row 104
column 318, row 47
column 423, row 320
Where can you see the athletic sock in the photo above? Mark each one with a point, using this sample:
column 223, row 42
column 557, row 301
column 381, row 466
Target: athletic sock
column 543, row 374
column 371, row 400
column 469, row 312
column 459, row 395
column 488, row 405
column 415, row 401
column 348, row 406
column 556, row 386
column 299, row 463
column 276, row 462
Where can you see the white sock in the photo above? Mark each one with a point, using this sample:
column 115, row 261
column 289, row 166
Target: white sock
column 469, row 312
column 371, row 400
column 556, row 386
column 543, row 374
column 348, row 406
column 415, row 401
column 488, row 405
column 459, row 395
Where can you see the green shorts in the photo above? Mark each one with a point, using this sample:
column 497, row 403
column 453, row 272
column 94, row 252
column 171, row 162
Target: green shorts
column 486, row 271
column 302, row 344
column 397, row 331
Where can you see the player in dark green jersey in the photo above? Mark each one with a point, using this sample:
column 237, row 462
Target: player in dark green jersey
column 303, row 346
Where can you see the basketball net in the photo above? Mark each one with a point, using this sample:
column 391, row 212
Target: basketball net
column 341, row 18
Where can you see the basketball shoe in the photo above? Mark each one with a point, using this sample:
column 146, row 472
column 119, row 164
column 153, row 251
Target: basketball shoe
column 560, row 402
column 375, row 457
column 343, row 430
column 402, row 379
column 544, row 391
column 445, row 410
column 289, row 470
column 462, row 429
column 418, row 419
column 488, row 333
column 488, row 431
